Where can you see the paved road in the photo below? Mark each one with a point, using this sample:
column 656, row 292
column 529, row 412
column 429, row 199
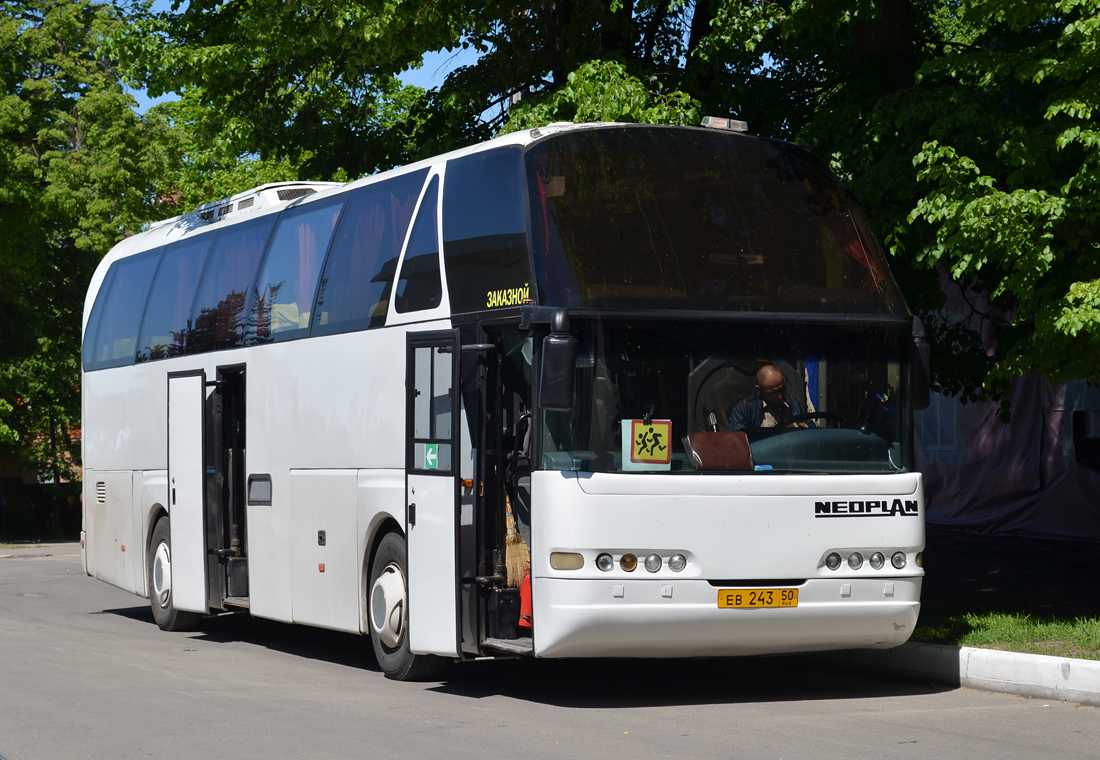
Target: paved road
column 85, row 673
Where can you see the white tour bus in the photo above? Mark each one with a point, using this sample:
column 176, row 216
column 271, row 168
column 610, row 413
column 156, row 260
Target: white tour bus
column 371, row 407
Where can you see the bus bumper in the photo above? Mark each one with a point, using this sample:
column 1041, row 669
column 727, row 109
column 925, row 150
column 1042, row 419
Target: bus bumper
column 662, row 618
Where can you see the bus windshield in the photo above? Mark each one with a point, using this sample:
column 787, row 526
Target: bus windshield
column 843, row 389
column 650, row 217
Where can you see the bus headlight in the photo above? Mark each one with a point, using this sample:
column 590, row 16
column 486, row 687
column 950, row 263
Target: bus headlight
column 605, row 562
column 898, row 560
column 855, row 560
column 832, row 561
column 628, row 562
column 566, row 561
column 653, row 563
column 877, row 560
column 677, row 562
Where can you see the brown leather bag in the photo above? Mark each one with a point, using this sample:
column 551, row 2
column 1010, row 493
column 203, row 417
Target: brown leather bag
column 727, row 450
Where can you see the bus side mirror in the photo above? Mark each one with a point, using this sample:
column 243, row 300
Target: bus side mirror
column 920, row 381
column 559, row 365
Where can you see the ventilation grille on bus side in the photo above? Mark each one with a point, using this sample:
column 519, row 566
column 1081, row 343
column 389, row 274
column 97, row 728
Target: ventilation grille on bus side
column 295, row 192
column 101, row 492
column 246, row 203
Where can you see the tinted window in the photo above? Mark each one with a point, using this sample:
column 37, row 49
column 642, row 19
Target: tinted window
column 420, row 287
column 116, row 339
column 652, row 217
column 484, row 231
column 164, row 330
column 217, row 318
column 358, row 279
column 283, row 298
column 96, row 317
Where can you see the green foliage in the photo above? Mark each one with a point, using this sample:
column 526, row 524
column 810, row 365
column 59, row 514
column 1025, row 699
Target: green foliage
column 604, row 91
column 79, row 168
column 1016, row 632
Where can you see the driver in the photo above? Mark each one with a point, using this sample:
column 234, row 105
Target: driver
column 769, row 406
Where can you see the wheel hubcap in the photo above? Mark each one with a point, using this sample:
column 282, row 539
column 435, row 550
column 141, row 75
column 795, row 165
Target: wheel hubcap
column 387, row 606
column 162, row 575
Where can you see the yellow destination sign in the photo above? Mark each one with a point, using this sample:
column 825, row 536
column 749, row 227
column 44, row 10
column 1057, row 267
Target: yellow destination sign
column 651, row 443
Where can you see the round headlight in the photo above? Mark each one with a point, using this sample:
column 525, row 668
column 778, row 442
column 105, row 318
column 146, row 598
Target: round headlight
column 605, row 562
column 898, row 560
column 877, row 560
column 653, row 563
column 855, row 560
column 628, row 562
column 677, row 562
column 832, row 561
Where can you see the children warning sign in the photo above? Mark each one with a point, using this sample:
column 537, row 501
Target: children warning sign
column 648, row 445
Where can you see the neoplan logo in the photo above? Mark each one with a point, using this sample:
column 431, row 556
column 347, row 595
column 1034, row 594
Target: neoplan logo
column 874, row 508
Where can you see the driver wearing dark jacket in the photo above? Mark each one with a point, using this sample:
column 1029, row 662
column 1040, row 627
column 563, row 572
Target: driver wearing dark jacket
column 769, row 406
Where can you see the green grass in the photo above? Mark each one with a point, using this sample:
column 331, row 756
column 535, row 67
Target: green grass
column 23, row 545
column 1078, row 638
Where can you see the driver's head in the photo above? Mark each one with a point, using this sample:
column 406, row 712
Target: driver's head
column 769, row 381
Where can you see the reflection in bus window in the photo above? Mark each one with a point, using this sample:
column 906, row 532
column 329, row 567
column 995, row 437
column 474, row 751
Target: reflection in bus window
column 217, row 318
column 283, row 298
column 116, row 338
column 660, row 218
column 164, row 330
column 355, row 289
column 420, row 287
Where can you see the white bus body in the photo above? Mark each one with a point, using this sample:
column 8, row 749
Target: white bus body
column 359, row 471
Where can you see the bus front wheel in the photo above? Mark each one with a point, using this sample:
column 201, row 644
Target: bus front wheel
column 158, row 571
column 388, row 611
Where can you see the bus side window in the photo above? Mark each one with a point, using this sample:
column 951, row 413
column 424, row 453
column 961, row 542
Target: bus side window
column 420, row 286
column 484, row 231
column 115, row 342
column 217, row 318
column 355, row 288
column 164, row 328
column 282, row 300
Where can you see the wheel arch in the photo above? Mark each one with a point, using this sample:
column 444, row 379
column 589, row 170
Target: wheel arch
column 153, row 516
column 382, row 524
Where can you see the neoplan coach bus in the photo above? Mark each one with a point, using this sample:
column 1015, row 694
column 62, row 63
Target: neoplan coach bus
column 480, row 405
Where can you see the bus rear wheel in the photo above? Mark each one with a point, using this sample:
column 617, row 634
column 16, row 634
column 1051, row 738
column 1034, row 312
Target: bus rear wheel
column 158, row 573
column 388, row 612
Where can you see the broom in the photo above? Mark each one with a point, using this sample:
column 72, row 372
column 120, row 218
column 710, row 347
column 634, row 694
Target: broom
column 517, row 557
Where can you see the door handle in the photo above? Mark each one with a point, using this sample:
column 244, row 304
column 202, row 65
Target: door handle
column 412, row 514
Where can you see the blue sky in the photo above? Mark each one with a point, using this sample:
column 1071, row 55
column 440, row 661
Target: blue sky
column 436, row 66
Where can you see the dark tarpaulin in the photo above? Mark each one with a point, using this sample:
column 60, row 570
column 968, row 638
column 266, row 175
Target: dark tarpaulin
column 1030, row 477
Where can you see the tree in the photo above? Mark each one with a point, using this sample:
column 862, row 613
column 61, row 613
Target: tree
column 79, row 169
column 962, row 126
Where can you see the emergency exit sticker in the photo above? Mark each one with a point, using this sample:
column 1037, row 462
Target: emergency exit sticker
column 431, row 456
column 651, row 442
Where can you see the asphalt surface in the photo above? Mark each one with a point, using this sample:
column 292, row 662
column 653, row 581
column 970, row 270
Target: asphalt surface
column 84, row 672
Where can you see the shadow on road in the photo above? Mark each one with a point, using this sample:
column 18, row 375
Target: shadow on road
column 606, row 683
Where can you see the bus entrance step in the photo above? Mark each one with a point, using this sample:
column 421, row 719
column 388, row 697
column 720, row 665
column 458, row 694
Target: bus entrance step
column 236, row 601
column 512, row 646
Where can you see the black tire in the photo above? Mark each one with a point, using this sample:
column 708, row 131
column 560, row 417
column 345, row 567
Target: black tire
column 390, row 639
column 158, row 570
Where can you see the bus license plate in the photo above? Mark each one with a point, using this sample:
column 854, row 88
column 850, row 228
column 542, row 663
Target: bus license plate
column 752, row 598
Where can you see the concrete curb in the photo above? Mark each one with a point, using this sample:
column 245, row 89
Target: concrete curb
column 1029, row 675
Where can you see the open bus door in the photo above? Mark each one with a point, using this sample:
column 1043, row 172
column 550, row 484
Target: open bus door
column 432, row 484
column 187, row 489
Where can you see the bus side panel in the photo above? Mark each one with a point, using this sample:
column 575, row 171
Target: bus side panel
column 111, row 528
column 324, row 565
